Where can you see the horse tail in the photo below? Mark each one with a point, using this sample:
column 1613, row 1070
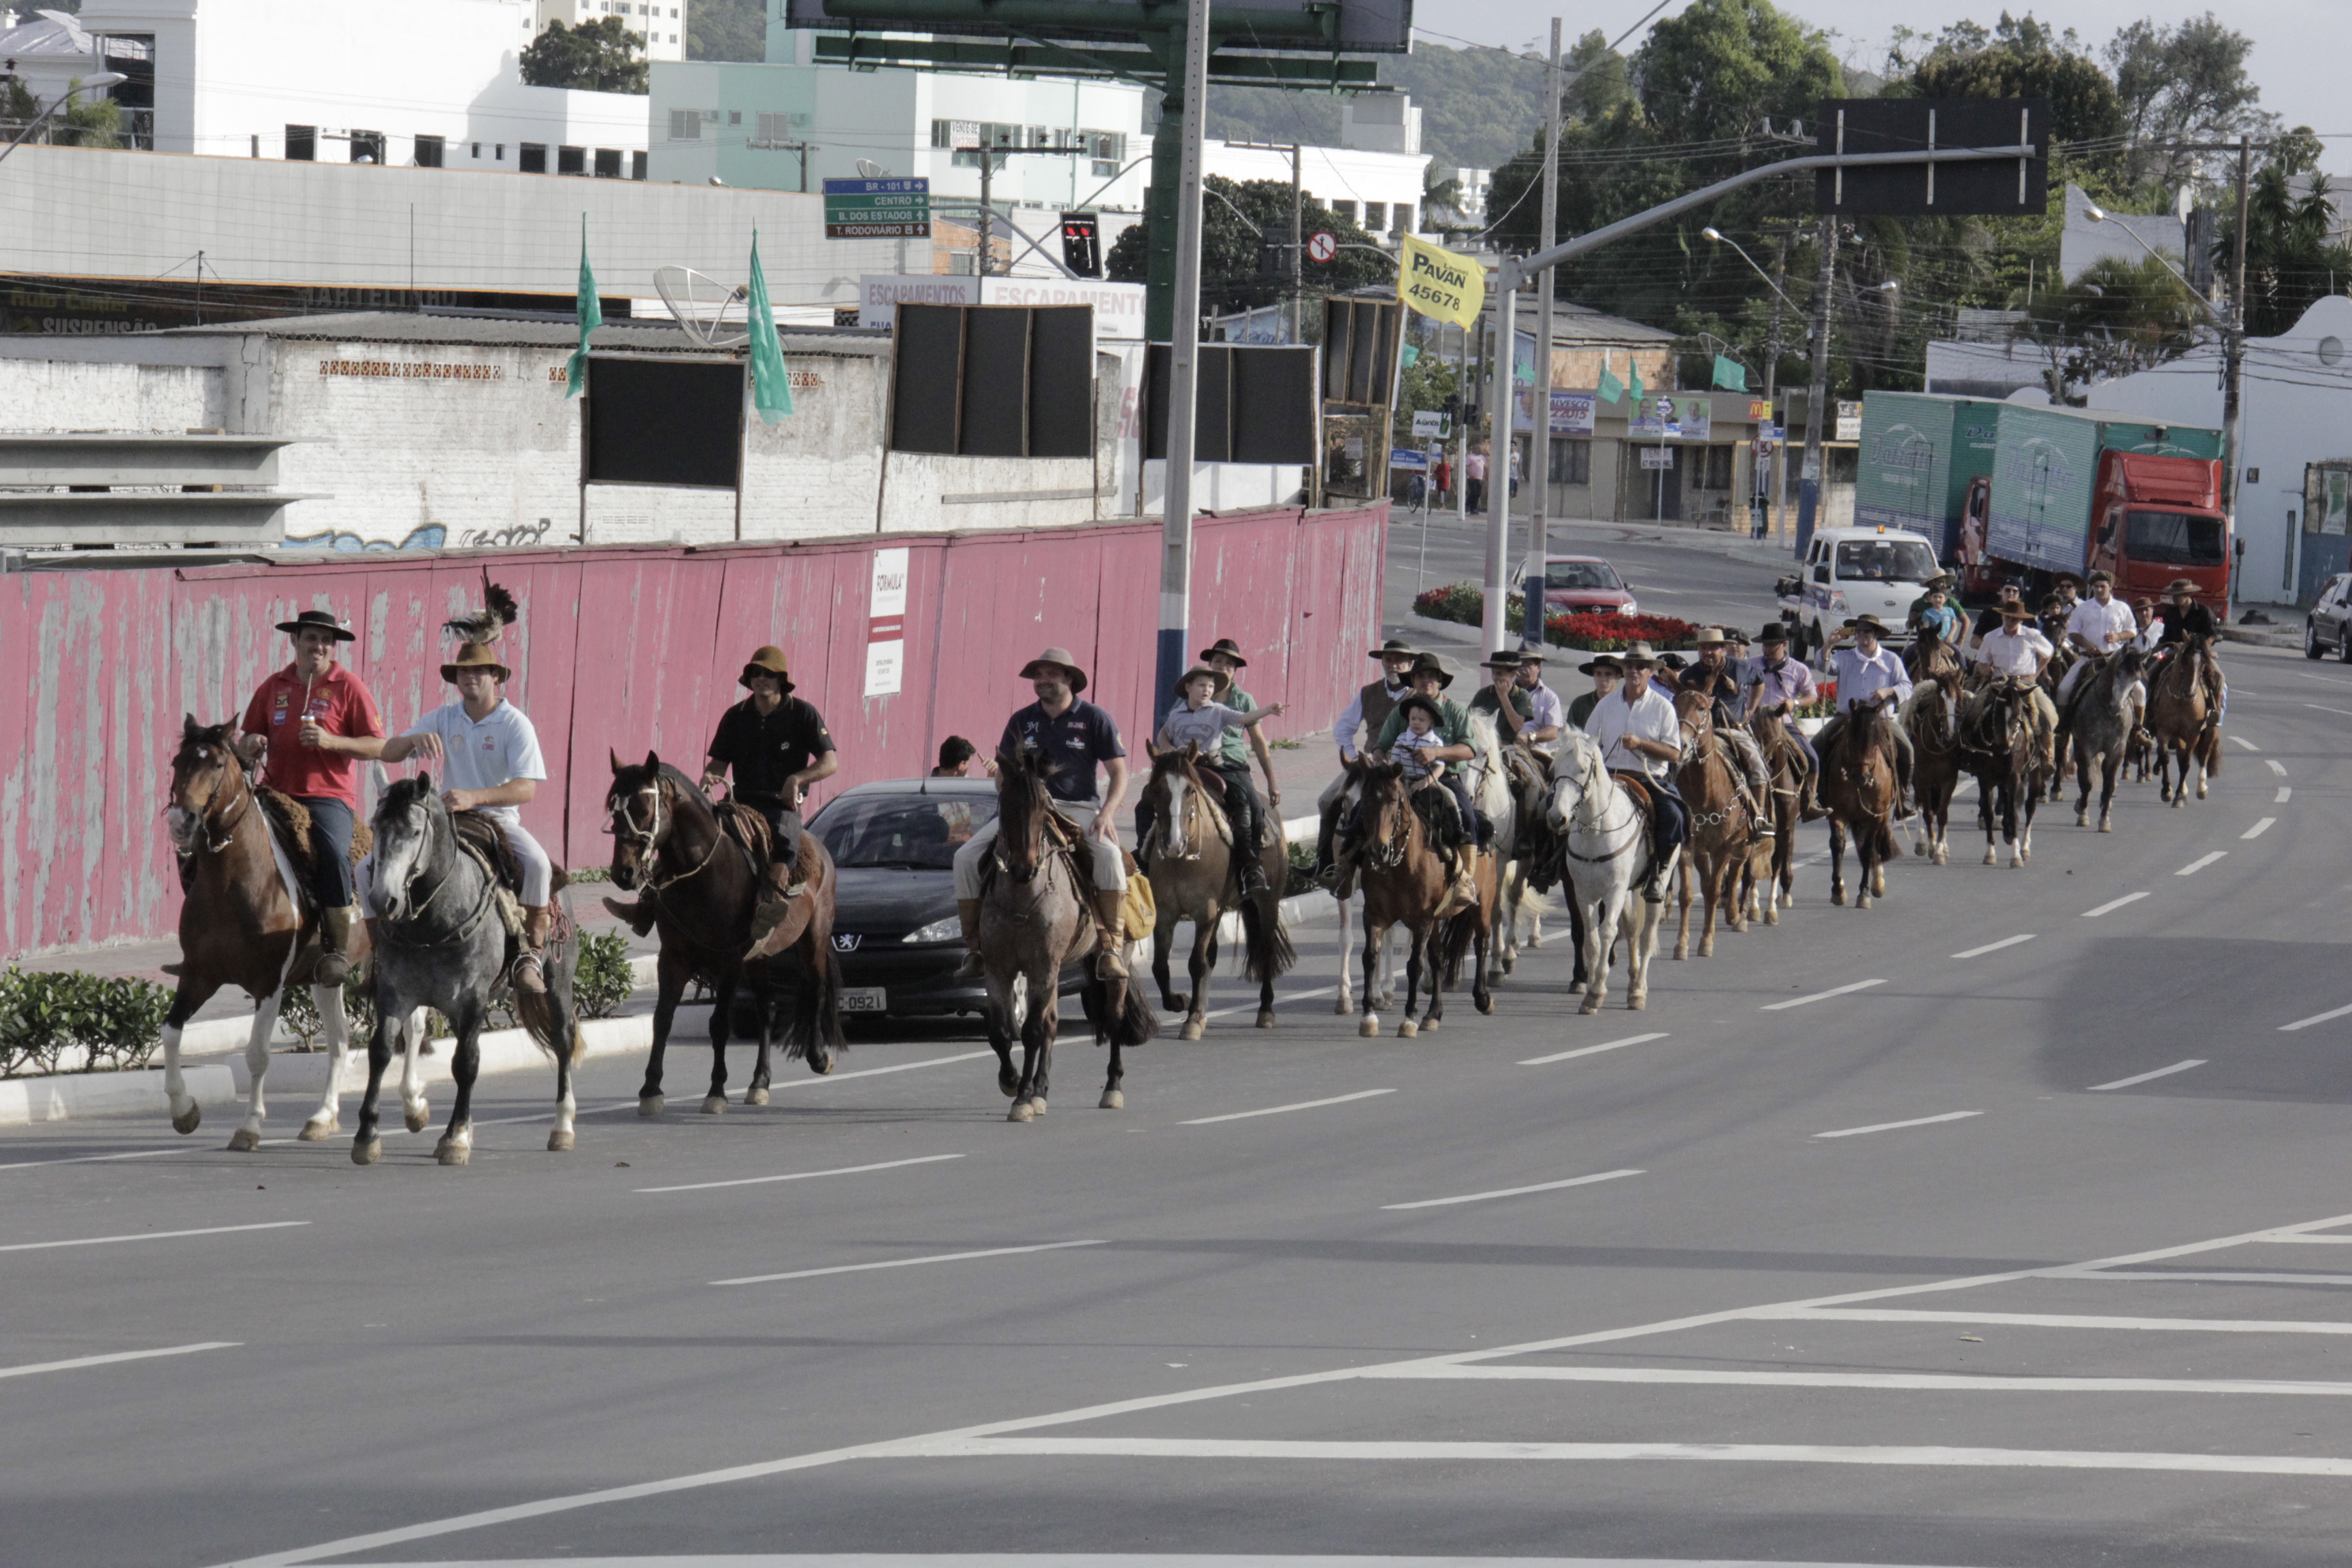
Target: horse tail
column 817, row 1009
column 1267, row 945
column 1139, row 1020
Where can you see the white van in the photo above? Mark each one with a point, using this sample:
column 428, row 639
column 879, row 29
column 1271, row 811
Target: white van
column 1850, row 572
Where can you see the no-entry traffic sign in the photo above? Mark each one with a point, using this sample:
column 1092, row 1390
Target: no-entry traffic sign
column 1321, row 246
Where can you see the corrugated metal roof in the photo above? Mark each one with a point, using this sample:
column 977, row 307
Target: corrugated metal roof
column 652, row 335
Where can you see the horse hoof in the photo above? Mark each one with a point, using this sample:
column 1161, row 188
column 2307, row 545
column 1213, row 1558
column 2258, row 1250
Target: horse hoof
column 1371, row 1028
column 1772, row 917
column 244, row 1141
column 2081, row 819
column 1592, row 1004
column 1680, row 952
column 714, row 1105
column 1408, row 1030
column 1194, row 1028
column 1010, row 1083
column 2106, row 825
column 185, row 1121
column 755, row 1096
column 1637, row 1003
column 450, row 1153
column 1113, row 1100
column 1510, row 961
column 1343, row 1007
column 560, row 1141
column 1037, row 1103
column 650, row 1104
column 1020, row 1112
column 367, row 1150
column 821, row 1068
column 1266, row 1017
column 1483, row 1003
column 417, row 1116
column 1990, row 858
column 1388, row 999
column 1837, row 895
column 317, row 1129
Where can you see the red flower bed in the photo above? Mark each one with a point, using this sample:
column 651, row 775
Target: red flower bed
column 1604, row 632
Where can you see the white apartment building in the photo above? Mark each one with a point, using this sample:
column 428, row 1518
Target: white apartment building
column 660, row 28
column 1376, row 176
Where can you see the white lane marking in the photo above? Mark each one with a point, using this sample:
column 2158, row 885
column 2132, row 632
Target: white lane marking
column 1994, row 946
column 906, row 1262
column 89, row 1158
column 2276, row 766
column 1891, row 1126
column 2201, row 862
column 1819, row 996
column 1514, row 1192
column 2069, row 1320
column 1949, row 1382
column 2285, row 795
column 150, row 1236
column 2111, row 905
column 545, row 1507
column 2324, row 708
column 82, row 1361
column 1279, row 1109
column 1592, row 1050
column 2228, row 1277
column 803, row 1175
column 2142, row 1077
column 2259, row 828
column 2310, row 1240
column 1279, row 999
column 1756, row 1453
column 2314, row 1019
column 2242, row 741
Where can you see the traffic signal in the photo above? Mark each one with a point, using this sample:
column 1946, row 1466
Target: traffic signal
column 1082, row 245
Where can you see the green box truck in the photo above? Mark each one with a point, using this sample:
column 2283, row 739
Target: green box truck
column 1920, row 454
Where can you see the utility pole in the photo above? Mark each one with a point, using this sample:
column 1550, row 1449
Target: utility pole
column 1505, row 368
column 2234, row 377
column 987, row 208
column 1183, row 358
column 1772, row 370
column 1531, row 604
column 1808, row 486
column 1297, row 251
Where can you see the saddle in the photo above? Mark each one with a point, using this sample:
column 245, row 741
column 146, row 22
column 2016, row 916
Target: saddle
column 1637, row 789
column 481, row 838
column 290, row 825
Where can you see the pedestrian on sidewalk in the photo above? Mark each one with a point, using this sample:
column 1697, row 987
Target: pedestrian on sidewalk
column 1474, row 473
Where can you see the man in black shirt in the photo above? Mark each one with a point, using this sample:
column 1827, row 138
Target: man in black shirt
column 2184, row 618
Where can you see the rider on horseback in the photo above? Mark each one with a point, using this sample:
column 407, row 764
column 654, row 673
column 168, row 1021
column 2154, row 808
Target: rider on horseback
column 1513, row 707
column 1198, row 720
column 1712, row 674
column 2015, row 656
column 1076, row 738
column 1867, row 672
column 1367, row 710
column 1430, row 679
column 2098, row 627
column 1549, row 717
column 1933, row 610
column 2181, row 619
column 312, row 722
column 1224, row 657
column 1639, row 734
column 1419, row 750
column 1776, row 681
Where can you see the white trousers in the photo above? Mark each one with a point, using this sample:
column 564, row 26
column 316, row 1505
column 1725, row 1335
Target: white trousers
column 1110, row 867
column 538, row 870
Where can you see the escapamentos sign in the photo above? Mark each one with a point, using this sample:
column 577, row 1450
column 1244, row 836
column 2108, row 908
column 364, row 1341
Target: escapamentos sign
column 1439, row 283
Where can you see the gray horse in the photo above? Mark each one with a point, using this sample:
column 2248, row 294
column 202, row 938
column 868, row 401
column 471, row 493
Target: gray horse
column 440, row 943
column 2106, row 715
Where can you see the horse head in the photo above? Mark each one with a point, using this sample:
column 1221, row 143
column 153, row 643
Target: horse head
column 1174, row 792
column 1575, row 772
column 1388, row 811
column 639, row 810
column 1695, row 710
column 412, row 828
column 1023, row 802
column 206, row 772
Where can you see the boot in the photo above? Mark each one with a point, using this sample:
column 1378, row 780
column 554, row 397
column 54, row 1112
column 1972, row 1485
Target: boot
column 1654, row 890
column 1110, row 920
column 638, row 916
column 529, row 971
column 1808, row 804
column 775, row 905
column 1463, row 892
column 1254, row 880
column 968, row 916
column 334, row 965
column 1326, row 865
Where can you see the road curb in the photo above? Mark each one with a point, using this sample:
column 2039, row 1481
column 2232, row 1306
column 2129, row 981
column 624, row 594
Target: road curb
column 2265, row 636
column 68, row 1096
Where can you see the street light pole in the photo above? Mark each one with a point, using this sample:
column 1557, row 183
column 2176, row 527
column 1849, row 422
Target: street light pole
column 98, row 79
column 1297, row 251
column 1808, row 483
column 2233, row 372
column 1531, row 604
column 1183, row 363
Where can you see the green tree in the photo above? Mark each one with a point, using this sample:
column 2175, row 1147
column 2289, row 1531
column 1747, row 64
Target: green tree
column 89, row 121
column 1241, row 225
column 727, row 30
column 2291, row 260
column 2116, row 318
column 1715, row 71
column 2019, row 58
column 2180, row 84
column 602, row 56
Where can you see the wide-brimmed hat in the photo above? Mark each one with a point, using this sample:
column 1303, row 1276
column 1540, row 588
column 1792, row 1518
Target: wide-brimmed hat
column 324, row 620
column 1228, row 648
column 769, row 661
column 1060, row 656
column 2017, row 607
column 1219, row 682
column 1436, row 714
column 1870, row 624
column 475, row 656
column 2181, row 585
column 1434, row 663
column 1395, row 647
column 1940, row 580
column 1777, row 631
column 2064, row 578
column 1708, row 636
column 1531, row 655
column 1502, row 658
column 1634, row 653
column 1602, row 663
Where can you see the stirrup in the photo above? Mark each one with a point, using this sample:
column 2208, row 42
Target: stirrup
column 529, row 975
column 971, row 968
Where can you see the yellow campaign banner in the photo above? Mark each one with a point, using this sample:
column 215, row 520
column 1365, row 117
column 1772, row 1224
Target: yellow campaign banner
column 1440, row 283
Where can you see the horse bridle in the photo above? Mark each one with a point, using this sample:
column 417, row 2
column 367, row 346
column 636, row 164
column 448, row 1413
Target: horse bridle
column 388, row 930
column 1388, row 846
column 648, row 840
column 227, row 827
column 1588, row 789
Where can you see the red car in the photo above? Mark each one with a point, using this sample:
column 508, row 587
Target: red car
column 1585, row 584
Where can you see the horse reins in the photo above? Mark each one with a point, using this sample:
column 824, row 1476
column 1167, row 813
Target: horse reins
column 1588, row 790
column 227, row 827
column 388, row 929
column 652, row 839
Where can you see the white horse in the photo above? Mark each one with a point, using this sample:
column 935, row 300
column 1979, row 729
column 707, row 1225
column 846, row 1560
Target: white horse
column 1607, row 861
column 1493, row 796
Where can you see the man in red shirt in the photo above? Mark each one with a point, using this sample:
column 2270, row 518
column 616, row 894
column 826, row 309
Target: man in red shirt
column 308, row 728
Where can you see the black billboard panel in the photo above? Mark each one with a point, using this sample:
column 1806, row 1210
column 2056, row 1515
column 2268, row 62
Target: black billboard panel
column 664, row 422
column 1359, row 350
column 2007, row 186
column 1252, row 404
column 993, row 380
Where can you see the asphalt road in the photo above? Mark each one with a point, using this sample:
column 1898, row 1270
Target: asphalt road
column 2000, row 1223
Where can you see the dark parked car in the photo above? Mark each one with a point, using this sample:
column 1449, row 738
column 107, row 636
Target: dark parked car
column 2328, row 627
column 894, row 929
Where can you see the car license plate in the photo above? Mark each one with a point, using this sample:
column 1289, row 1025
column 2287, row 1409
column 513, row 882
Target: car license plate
column 865, row 999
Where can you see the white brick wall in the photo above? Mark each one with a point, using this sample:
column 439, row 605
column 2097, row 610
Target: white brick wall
column 68, row 394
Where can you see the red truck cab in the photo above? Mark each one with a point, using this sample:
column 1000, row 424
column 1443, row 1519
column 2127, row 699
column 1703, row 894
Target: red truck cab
column 2156, row 519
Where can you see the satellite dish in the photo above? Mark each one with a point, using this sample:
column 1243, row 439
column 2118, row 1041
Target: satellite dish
column 700, row 304
column 869, row 169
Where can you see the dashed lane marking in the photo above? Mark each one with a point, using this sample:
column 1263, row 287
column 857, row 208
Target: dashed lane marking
column 906, row 1262
column 1593, row 1050
column 150, row 1236
column 1953, row 1383
column 1514, row 1192
column 1279, row 1109
column 2314, row 1019
column 2062, row 1320
column 2324, row 708
column 1819, row 996
column 1891, row 1126
column 803, row 1175
column 1994, row 946
column 82, row 1361
column 2276, row 766
column 2242, row 741
column 2202, row 861
column 2144, row 1078
column 2259, row 828
column 2285, row 795
column 2111, row 905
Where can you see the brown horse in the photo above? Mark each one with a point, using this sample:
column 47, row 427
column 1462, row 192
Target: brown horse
column 1192, row 879
column 1932, row 719
column 704, row 882
column 1930, row 658
column 242, row 926
column 1768, row 885
column 1718, row 849
column 1858, row 791
column 1405, row 882
column 2001, row 747
column 1035, row 916
column 2184, row 721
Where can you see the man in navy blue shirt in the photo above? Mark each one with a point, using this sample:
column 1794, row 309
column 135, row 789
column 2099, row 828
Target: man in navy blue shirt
column 1076, row 737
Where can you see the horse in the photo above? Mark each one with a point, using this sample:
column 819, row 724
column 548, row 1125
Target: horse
column 1932, row 719
column 1718, row 850
column 1192, row 879
column 1035, row 916
column 1536, row 853
column 670, row 844
column 2183, row 722
column 1605, row 839
column 1498, row 803
column 241, row 924
column 1930, row 658
column 442, row 941
column 1404, row 883
column 1858, row 790
column 2106, row 715
column 2008, row 768
column 1764, row 896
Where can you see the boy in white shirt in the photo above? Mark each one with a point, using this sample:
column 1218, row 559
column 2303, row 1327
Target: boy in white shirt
column 1198, row 720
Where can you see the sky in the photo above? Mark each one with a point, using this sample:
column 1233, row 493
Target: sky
column 2300, row 45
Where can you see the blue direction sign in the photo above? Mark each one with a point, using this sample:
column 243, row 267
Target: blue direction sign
column 878, row 209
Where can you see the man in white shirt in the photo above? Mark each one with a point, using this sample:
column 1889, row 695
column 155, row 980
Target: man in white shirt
column 2017, row 652
column 1868, row 672
column 1638, row 732
column 490, row 761
column 2094, row 628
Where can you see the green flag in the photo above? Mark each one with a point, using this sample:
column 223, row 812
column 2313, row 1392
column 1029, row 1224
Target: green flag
column 1611, row 389
column 771, row 391
column 1635, row 370
column 1730, row 374
column 592, row 316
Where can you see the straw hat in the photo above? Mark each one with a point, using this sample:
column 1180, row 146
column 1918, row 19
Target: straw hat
column 475, row 656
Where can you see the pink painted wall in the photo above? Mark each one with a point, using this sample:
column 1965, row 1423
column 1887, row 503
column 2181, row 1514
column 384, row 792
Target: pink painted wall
column 622, row 650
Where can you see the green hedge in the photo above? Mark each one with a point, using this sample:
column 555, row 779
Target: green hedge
column 45, row 1014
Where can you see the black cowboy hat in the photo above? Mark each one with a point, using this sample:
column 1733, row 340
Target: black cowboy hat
column 1219, row 682
column 1600, row 663
column 768, row 660
column 2066, row 577
column 1777, row 631
column 1436, row 716
column 1229, row 648
column 1395, row 647
column 1435, row 664
column 1531, row 655
column 1673, row 661
column 1502, row 658
column 324, row 620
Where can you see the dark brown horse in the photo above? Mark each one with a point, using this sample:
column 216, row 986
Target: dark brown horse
column 1932, row 719
column 1768, row 887
column 2002, row 749
column 1405, row 882
column 242, row 926
column 1192, row 879
column 1718, row 849
column 1035, row 916
column 2185, row 720
column 704, row 882
column 1858, row 791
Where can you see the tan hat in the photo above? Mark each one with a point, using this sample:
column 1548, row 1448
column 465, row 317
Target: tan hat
column 769, row 661
column 1708, row 636
column 2182, row 585
column 475, row 656
column 1870, row 624
column 1062, row 656
column 1635, row 653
